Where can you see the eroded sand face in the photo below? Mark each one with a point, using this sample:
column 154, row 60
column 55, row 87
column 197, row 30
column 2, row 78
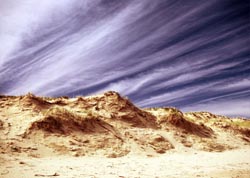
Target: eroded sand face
column 107, row 136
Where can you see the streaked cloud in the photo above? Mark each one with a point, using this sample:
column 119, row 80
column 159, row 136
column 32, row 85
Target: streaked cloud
column 192, row 54
column 226, row 107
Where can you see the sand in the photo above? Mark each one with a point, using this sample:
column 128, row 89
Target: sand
column 234, row 163
column 108, row 136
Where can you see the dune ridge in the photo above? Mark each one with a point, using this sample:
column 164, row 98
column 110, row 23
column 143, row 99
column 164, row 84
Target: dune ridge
column 112, row 126
column 67, row 132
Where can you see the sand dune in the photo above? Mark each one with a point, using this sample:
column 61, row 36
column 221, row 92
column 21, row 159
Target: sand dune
column 37, row 132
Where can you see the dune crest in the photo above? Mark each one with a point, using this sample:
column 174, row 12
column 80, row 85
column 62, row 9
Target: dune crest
column 112, row 126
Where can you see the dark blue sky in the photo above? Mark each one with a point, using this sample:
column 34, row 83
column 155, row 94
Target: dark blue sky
column 194, row 55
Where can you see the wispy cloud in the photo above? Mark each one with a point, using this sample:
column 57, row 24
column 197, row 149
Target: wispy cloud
column 227, row 107
column 156, row 52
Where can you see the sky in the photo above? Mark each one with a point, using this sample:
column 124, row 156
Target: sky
column 193, row 55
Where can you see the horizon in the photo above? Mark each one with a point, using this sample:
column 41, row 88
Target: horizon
column 125, row 97
column 189, row 55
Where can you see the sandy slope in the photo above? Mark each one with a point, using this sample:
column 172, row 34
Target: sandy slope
column 107, row 136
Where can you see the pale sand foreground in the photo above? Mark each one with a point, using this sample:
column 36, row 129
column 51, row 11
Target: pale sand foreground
column 234, row 163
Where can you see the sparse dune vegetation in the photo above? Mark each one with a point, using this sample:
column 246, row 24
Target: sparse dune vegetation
column 110, row 126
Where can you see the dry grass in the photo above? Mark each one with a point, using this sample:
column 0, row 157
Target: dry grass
column 112, row 126
column 66, row 121
column 242, row 123
column 1, row 124
column 176, row 118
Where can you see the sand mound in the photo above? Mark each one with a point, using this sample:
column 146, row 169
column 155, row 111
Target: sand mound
column 174, row 117
column 116, row 108
column 123, row 109
column 7, row 101
column 151, row 141
column 110, row 125
column 34, row 102
column 60, row 120
column 200, row 130
column 239, row 126
column 61, row 131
